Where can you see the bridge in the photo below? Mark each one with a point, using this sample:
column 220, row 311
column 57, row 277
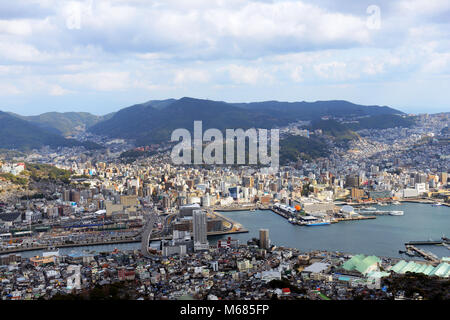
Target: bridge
column 147, row 233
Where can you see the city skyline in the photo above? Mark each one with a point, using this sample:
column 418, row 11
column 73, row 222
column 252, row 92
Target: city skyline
column 101, row 56
column 248, row 152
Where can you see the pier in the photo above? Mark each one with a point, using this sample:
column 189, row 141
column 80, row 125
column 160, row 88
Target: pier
column 443, row 241
column 425, row 254
column 336, row 220
column 280, row 213
column 356, row 218
column 377, row 212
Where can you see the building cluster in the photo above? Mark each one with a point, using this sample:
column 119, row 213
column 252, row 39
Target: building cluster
column 109, row 199
column 236, row 271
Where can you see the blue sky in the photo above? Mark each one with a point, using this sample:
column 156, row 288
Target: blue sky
column 99, row 56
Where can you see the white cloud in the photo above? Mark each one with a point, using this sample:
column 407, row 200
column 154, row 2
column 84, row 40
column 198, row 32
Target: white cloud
column 296, row 74
column 335, row 70
column 102, row 81
column 8, row 89
column 16, row 51
column 246, row 75
column 176, row 46
column 422, row 7
column 56, row 90
column 190, row 75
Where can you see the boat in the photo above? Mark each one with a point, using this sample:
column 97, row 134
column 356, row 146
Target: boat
column 370, row 208
column 410, row 253
column 396, row 213
column 437, row 204
column 311, row 224
column 396, row 202
column 382, row 204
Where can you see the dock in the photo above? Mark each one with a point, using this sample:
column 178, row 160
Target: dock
column 357, row 218
column 377, row 212
column 425, row 254
column 278, row 212
column 336, row 220
column 443, row 241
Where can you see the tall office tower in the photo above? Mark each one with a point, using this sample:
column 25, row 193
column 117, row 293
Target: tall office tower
column 420, row 178
column 443, row 178
column 264, row 241
column 200, row 230
column 248, row 182
column 66, row 195
column 352, row 180
column 75, row 196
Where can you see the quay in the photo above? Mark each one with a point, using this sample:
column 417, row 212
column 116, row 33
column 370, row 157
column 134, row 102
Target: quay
column 106, row 242
column 284, row 215
column 235, row 208
column 377, row 212
column 68, row 245
column 278, row 212
column 443, row 241
column 357, row 218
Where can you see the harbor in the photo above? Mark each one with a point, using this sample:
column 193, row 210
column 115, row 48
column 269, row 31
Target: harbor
column 381, row 235
column 307, row 220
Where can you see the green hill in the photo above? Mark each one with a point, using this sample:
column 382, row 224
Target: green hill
column 20, row 134
column 67, row 123
column 335, row 129
column 147, row 124
column 154, row 121
column 315, row 110
column 293, row 148
column 382, row 122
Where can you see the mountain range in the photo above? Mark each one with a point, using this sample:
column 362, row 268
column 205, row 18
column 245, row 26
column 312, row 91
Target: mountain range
column 16, row 133
column 153, row 121
column 67, row 123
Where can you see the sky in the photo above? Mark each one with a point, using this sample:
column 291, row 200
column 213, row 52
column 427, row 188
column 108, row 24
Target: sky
column 99, row 56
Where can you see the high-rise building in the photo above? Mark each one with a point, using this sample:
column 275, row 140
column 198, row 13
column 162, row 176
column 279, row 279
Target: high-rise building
column 443, row 178
column 264, row 241
column 357, row 193
column 66, row 195
column 199, row 225
column 352, row 180
column 206, row 201
column 248, row 182
column 420, row 178
column 75, row 196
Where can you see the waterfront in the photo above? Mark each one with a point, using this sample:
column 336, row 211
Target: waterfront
column 383, row 236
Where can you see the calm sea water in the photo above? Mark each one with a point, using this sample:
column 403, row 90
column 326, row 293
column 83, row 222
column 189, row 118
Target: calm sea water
column 383, row 236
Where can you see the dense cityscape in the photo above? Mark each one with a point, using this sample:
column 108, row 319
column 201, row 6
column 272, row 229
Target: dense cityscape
column 224, row 159
column 72, row 198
